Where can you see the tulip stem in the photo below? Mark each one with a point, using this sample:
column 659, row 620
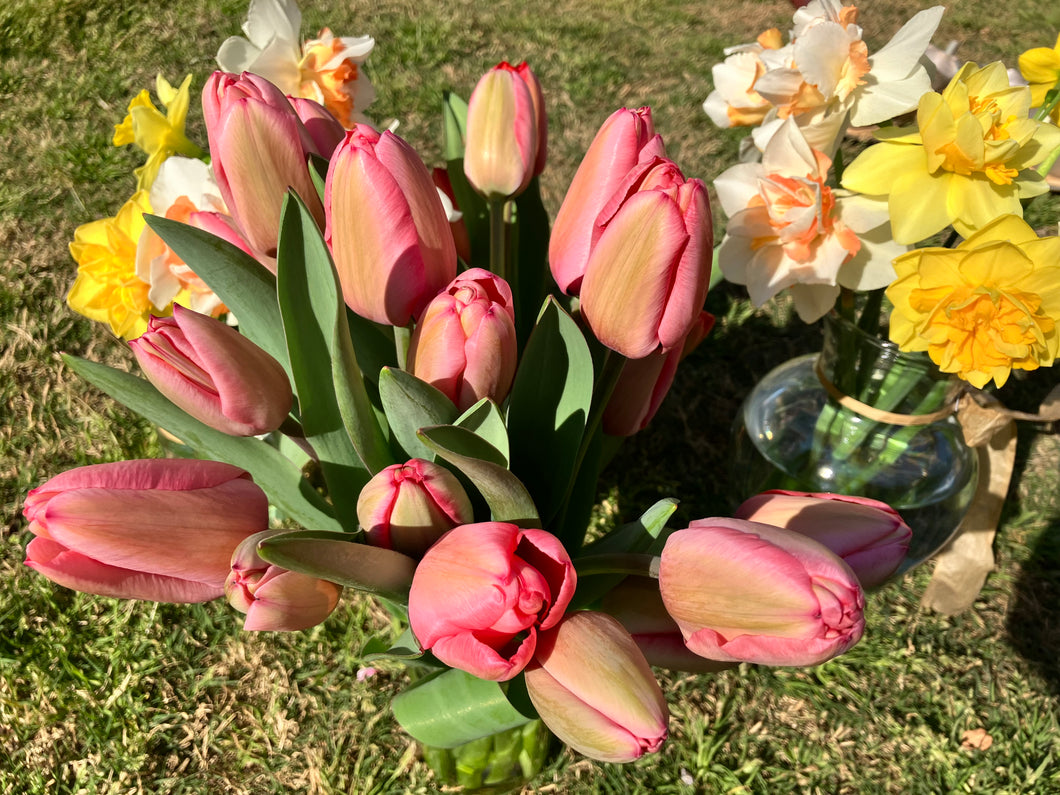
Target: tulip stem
column 499, row 239
column 630, row 563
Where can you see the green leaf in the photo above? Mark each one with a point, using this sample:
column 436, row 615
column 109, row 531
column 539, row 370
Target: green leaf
column 548, row 407
column 244, row 284
column 454, row 117
column 281, row 479
column 373, row 343
column 484, row 419
column 452, row 707
column 531, row 254
column 336, row 414
column 406, row 647
column 318, row 172
column 336, row 557
column 484, row 465
column 411, row 404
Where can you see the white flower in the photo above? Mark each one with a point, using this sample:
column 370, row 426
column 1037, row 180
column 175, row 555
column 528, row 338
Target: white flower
column 734, row 102
column 788, row 230
column 326, row 69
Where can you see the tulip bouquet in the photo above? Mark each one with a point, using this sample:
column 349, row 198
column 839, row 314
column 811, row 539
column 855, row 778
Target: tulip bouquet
column 951, row 171
column 403, row 403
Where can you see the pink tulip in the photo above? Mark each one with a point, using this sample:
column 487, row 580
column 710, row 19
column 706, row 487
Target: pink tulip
column 503, row 122
column 593, row 688
column 751, row 592
column 465, row 342
column 273, row 598
column 214, row 373
column 627, row 137
column 387, row 230
column 648, row 273
column 162, row 530
column 868, row 534
column 407, row 507
column 326, row 131
column 637, row 604
column 644, row 383
column 483, row 592
column 537, row 96
column 259, row 149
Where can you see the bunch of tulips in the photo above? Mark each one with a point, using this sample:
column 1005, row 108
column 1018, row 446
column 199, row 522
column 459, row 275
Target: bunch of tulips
column 428, row 414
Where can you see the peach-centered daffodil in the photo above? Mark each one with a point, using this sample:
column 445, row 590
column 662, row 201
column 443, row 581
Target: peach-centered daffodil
column 789, row 230
column 971, row 158
column 987, row 307
column 326, row 69
column 1040, row 67
column 157, row 135
column 107, row 288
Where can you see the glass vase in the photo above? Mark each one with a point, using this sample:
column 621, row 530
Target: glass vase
column 799, row 430
column 499, row 763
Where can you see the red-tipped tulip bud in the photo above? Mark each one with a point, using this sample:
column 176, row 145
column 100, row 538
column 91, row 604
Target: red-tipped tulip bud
column 162, row 530
column 868, row 534
column 500, row 154
column 747, row 592
column 638, row 606
column 465, row 342
column 593, row 688
column 214, row 373
column 259, row 149
column 537, row 96
column 387, row 229
column 644, row 383
column 484, row 591
column 648, row 273
column 407, row 507
column 627, row 137
column 273, row 598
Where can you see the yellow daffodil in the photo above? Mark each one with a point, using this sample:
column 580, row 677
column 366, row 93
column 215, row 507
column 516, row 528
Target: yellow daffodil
column 984, row 308
column 1040, row 67
column 157, row 135
column 107, row 288
column 971, row 158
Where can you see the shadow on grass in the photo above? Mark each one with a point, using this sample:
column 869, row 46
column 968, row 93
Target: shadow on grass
column 1033, row 623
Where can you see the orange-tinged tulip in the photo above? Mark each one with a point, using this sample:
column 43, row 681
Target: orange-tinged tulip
column 407, row 507
column 503, row 120
column 465, row 342
column 593, row 688
column 274, row 598
column 214, row 373
column 162, row 530
column 387, row 229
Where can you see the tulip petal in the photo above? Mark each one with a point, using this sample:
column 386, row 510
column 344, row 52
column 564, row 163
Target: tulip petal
column 290, row 602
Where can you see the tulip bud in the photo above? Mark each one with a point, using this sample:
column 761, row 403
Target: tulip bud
column 162, row 530
column 627, row 137
column 593, row 688
column 465, row 342
column 483, row 592
column 748, row 592
column 326, row 131
column 259, row 149
column 503, row 119
column 273, row 598
column 638, row 606
column 407, row 507
column 214, row 373
column 648, row 273
column 867, row 534
column 643, row 383
column 388, row 233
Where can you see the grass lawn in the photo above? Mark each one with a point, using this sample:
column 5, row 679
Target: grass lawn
column 107, row 696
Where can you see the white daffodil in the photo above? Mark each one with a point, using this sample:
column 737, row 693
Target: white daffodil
column 326, row 69
column 788, row 230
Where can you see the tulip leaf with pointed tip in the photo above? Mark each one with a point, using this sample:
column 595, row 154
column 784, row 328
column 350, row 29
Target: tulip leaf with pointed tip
column 339, row 559
column 336, row 415
column 549, row 406
column 277, row 475
column 245, row 286
column 472, row 206
column 318, row 172
column 485, row 421
column 411, row 404
column 452, row 707
column 406, row 647
column 485, row 467
column 531, row 253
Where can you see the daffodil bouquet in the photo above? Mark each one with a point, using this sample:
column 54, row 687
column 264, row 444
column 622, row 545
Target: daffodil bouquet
column 949, row 171
column 420, row 382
